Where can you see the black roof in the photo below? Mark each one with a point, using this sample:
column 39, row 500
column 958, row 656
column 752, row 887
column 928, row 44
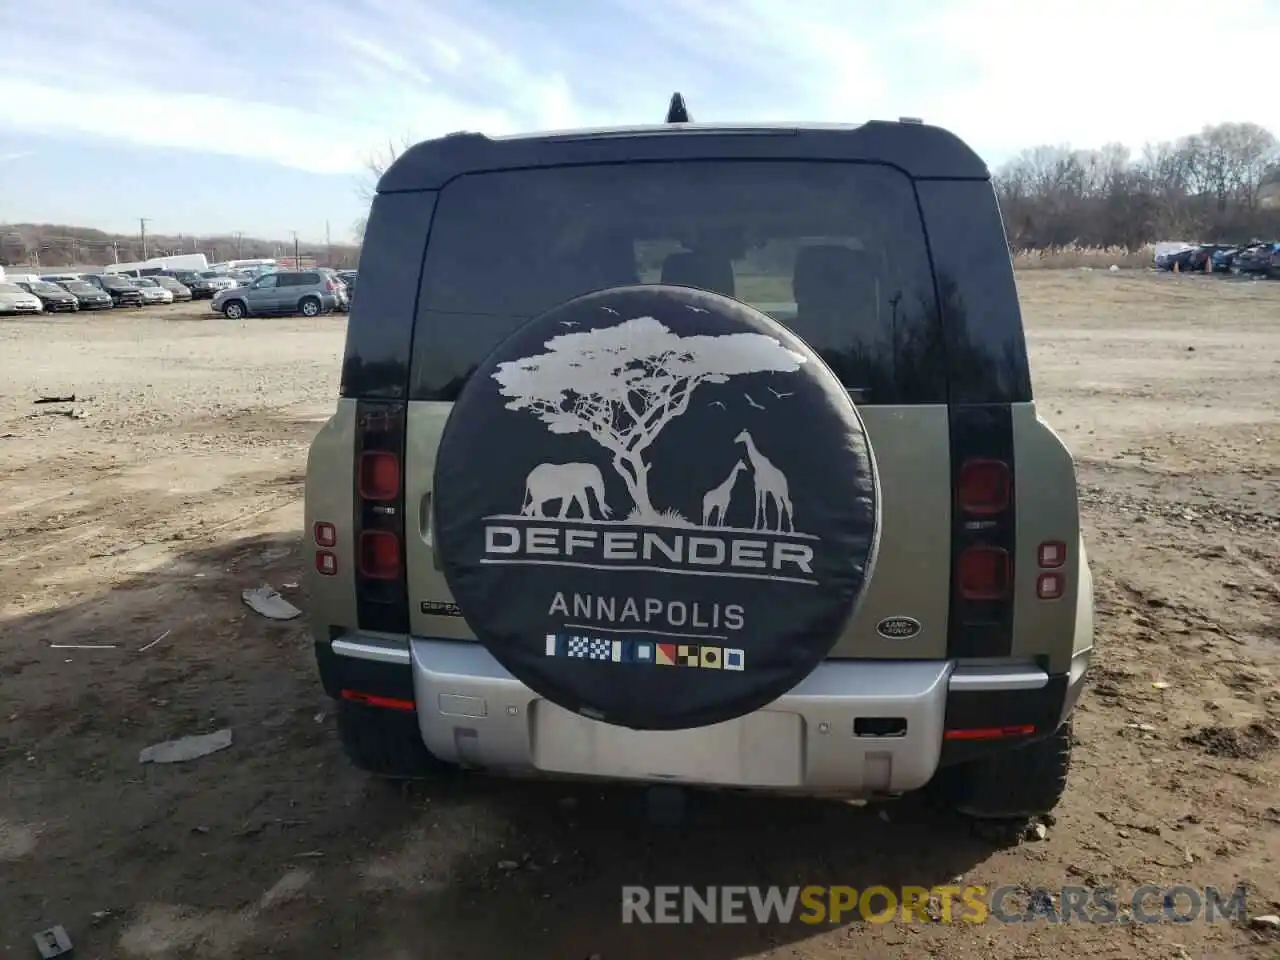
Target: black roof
column 920, row 150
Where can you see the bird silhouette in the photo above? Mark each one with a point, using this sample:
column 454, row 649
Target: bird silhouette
column 777, row 394
column 611, row 310
column 695, row 309
column 568, row 323
column 716, row 403
column 752, row 402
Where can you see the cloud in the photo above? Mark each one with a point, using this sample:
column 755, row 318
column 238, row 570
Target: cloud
column 6, row 157
column 319, row 86
column 309, row 86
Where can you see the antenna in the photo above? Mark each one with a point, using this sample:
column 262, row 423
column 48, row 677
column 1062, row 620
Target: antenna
column 677, row 112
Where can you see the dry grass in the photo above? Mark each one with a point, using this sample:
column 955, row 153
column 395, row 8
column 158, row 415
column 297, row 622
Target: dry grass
column 1058, row 258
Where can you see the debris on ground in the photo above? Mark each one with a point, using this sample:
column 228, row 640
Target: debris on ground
column 186, row 748
column 267, row 601
column 69, row 398
column 1268, row 921
column 154, row 642
column 53, row 942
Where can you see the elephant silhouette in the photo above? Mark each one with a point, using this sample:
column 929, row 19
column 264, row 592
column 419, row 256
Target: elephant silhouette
column 567, row 482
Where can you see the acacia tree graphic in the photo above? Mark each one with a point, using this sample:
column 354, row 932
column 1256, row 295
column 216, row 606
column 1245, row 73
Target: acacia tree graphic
column 622, row 385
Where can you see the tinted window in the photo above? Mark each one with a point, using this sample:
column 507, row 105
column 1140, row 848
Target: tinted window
column 306, row 279
column 834, row 250
column 980, row 313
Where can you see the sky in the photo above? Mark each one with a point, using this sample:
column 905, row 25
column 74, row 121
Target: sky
column 261, row 117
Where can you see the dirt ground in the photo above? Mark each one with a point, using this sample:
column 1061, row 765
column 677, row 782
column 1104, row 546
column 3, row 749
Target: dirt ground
column 134, row 515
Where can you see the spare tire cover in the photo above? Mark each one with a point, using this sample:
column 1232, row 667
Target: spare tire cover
column 656, row 506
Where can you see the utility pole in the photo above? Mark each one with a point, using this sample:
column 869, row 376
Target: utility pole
column 297, row 262
column 328, row 246
column 142, row 229
column 239, row 244
column 115, row 250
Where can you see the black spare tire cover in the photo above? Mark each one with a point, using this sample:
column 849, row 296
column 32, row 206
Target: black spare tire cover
column 656, row 507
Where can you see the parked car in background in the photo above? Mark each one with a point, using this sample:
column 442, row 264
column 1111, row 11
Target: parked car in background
column 1222, row 259
column 1202, row 256
column 180, row 291
column 220, row 281
column 308, row 292
column 1256, row 260
column 122, row 292
column 14, row 300
column 199, row 286
column 339, row 288
column 152, row 293
column 1179, row 257
column 51, row 296
column 349, row 278
column 87, row 295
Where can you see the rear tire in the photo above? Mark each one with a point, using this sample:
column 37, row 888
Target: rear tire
column 385, row 743
column 233, row 310
column 1022, row 782
column 310, row 307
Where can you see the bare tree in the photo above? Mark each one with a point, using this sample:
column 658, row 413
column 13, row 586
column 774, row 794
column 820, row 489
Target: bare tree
column 375, row 165
column 1206, row 184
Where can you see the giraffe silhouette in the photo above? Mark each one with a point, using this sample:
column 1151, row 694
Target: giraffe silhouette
column 715, row 502
column 771, row 485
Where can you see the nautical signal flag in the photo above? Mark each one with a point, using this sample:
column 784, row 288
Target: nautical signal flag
column 585, row 647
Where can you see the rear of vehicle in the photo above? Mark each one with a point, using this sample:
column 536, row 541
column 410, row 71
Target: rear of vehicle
column 882, row 247
column 209, row 283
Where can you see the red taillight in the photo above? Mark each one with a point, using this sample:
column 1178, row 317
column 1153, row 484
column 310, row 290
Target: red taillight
column 379, row 555
column 372, row 700
column 983, row 488
column 1050, row 586
column 984, row 573
column 326, row 563
column 379, row 475
column 326, row 534
column 990, row 733
column 1052, row 554
column 328, row 285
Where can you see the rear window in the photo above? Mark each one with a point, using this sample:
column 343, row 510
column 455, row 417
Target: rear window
column 834, row 250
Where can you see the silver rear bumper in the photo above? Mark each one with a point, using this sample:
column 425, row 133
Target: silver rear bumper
column 472, row 712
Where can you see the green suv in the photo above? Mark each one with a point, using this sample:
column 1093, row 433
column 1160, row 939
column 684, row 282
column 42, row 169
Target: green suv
column 703, row 455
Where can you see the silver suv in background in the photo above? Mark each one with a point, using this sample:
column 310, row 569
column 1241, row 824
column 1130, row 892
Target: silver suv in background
column 284, row 292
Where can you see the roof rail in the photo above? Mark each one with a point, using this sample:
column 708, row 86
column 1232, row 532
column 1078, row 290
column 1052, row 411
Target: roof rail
column 677, row 112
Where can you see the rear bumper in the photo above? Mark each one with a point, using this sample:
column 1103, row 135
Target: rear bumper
column 852, row 728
